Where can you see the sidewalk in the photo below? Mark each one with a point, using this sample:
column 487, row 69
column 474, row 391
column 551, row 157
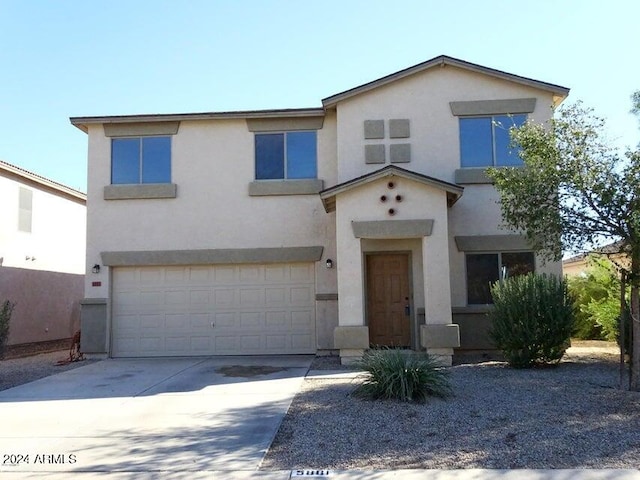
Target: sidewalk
column 470, row 474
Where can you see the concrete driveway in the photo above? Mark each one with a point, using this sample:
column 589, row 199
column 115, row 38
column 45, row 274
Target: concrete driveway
column 149, row 415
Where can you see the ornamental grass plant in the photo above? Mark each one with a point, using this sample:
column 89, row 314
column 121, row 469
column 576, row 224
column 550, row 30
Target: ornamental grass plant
column 532, row 320
column 392, row 374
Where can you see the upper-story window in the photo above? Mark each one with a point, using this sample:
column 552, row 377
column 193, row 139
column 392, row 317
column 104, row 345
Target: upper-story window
column 485, row 141
column 483, row 269
column 287, row 155
column 136, row 160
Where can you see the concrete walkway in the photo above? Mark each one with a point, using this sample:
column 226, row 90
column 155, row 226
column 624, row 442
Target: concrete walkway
column 149, row 415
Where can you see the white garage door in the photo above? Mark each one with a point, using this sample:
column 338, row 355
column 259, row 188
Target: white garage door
column 213, row 310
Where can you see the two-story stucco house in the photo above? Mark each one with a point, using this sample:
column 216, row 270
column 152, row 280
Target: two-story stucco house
column 367, row 221
column 42, row 255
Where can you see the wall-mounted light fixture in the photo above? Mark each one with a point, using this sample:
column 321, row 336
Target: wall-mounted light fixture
column 96, row 268
column 329, row 263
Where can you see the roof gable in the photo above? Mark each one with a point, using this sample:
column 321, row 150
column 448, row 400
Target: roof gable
column 558, row 91
column 328, row 196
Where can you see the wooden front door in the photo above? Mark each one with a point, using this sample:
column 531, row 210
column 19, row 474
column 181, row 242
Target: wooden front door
column 388, row 300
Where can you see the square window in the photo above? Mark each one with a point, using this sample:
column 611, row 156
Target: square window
column 288, row 155
column 138, row 160
column 485, row 141
column 484, row 269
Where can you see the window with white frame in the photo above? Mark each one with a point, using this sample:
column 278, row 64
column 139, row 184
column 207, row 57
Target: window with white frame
column 286, row 155
column 485, row 141
column 137, row 160
column 484, row 269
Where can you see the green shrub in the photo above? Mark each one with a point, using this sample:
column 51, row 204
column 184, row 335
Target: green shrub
column 532, row 320
column 5, row 317
column 597, row 300
column 399, row 375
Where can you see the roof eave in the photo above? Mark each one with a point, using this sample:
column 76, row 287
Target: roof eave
column 559, row 92
column 83, row 122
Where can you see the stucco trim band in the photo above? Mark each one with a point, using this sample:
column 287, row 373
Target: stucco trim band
column 285, row 187
column 140, row 129
column 212, row 257
column 93, row 301
column 142, row 191
column 284, row 124
column 324, row 297
column 493, row 107
column 492, row 243
column 472, row 176
column 393, row 228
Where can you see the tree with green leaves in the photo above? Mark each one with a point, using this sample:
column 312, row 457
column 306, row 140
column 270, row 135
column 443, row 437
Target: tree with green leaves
column 574, row 193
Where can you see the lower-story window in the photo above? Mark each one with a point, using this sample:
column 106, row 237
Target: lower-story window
column 483, row 269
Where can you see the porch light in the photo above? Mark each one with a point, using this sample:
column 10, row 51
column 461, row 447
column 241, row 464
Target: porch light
column 329, row 263
column 96, row 268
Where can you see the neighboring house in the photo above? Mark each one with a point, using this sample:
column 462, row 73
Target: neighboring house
column 579, row 264
column 367, row 221
column 42, row 255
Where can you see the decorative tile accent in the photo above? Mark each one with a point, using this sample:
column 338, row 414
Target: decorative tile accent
column 400, row 152
column 399, row 128
column 373, row 129
column 374, row 154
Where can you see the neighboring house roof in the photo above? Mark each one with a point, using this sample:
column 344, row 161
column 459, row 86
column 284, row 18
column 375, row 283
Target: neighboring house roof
column 37, row 181
column 328, row 196
column 559, row 93
column 614, row 248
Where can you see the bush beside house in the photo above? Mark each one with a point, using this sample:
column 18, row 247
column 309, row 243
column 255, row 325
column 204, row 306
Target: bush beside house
column 532, row 320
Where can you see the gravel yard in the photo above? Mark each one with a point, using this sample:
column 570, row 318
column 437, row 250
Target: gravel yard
column 571, row 416
column 16, row 371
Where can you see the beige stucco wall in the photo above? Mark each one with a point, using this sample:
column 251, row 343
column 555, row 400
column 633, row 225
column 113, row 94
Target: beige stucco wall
column 57, row 238
column 419, row 201
column 212, row 166
column 423, row 99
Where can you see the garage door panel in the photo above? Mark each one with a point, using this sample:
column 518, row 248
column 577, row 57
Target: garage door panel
column 176, row 297
column 155, row 297
column 278, row 319
column 275, row 274
column 250, row 274
column 275, row 296
column 199, row 297
column 276, row 343
column 151, row 277
column 175, row 275
column 213, row 310
column 197, row 275
column 249, row 320
column 225, row 297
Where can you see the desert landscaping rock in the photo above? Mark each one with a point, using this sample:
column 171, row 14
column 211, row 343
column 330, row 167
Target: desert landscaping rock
column 17, row 371
column 571, row 416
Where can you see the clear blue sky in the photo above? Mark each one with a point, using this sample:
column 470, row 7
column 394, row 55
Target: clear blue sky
column 68, row 58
